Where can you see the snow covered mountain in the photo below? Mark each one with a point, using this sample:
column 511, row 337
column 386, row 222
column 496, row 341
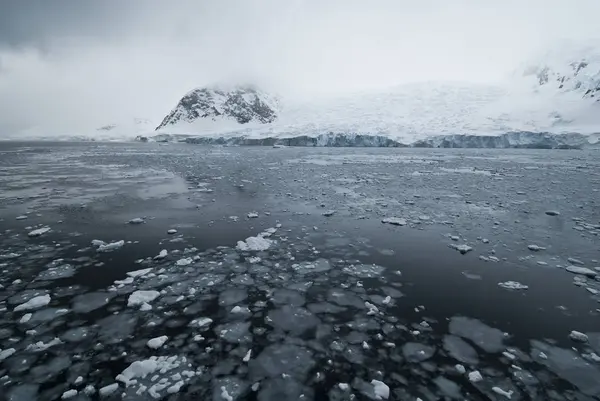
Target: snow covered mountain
column 577, row 71
column 241, row 104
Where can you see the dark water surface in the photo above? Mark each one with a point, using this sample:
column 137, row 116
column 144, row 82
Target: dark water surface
column 333, row 304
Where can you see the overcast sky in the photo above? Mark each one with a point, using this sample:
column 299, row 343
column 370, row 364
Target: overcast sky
column 76, row 63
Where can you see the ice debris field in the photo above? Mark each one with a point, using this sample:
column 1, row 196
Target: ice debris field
column 211, row 274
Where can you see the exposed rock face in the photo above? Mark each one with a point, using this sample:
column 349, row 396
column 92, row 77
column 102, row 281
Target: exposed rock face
column 241, row 104
column 581, row 76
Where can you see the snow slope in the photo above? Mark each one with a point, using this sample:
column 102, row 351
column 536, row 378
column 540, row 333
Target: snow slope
column 554, row 94
column 416, row 112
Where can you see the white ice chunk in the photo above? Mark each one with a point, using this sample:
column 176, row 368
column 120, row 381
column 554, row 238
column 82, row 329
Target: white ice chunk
column 34, row 303
column 137, row 220
column 513, row 285
column 247, row 356
column 25, row 318
column 139, row 297
column 581, row 270
column 38, row 232
column 373, row 310
column 6, row 353
column 536, row 248
column 257, row 243
column 175, row 387
column 202, row 322
column 463, row 248
column 172, row 231
column 68, row 394
column 157, row 342
column 381, row 390
column 396, row 221
column 108, row 390
column 184, row 262
column 141, row 272
column 225, row 395
column 475, row 376
column 41, row 346
column 460, row 368
column 578, row 336
column 504, row 393
column 112, row 246
column 162, row 254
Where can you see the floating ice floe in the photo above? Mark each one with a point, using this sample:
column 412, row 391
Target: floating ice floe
column 138, row 273
column 41, row 346
column 578, row 336
column 184, row 262
column 475, row 376
column 157, row 342
column 328, row 213
column 202, row 322
column 55, row 273
column 108, row 390
column 575, row 261
column 513, row 285
column 252, row 215
column 69, row 394
column 161, row 255
column 380, row 389
column 38, row 232
column 171, row 231
column 6, row 353
column 395, row 221
column 34, row 303
column 488, row 338
column 581, row 270
column 137, row 220
column 504, row 393
column 258, row 243
column 140, row 297
column 23, row 217
column 536, row 248
column 107, row 247
column 25, row 318
column 463, row 248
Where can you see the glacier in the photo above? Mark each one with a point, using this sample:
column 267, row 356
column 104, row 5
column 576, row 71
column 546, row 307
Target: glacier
column 553, row 102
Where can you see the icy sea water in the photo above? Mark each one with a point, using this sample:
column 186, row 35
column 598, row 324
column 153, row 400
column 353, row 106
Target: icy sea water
column 145, row 271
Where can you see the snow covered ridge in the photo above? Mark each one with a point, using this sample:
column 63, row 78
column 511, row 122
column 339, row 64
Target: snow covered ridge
column 524, row 139
column 241, row 104
column 569, row 68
